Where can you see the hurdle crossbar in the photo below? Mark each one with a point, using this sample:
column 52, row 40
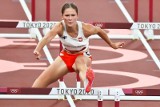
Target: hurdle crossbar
column 57, row 97
column 16, row 35
column 26, row 97
column 48, row 25
column 79, row 93
column 103, row 25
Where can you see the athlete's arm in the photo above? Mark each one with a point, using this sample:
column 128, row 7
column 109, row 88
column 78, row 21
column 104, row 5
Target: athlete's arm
column 47, row 38
column 91, row 30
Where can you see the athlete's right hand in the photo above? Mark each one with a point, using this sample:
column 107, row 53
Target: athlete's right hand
column 37, row 54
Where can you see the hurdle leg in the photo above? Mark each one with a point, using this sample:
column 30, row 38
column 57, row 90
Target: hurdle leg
column 100, row 103
column 100, row 98
column 78, row 81
column 116, row 103
column 117, row 99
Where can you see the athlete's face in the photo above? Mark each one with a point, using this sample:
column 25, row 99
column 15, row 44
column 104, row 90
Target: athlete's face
column 70, row 17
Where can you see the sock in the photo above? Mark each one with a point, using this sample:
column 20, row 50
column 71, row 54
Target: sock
column 85, row 83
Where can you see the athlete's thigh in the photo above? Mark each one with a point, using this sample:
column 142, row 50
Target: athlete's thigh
column 81, row 61
column 56, row 70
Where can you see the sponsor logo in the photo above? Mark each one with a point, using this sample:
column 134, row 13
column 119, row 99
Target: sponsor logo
column 14, row 91
column 139, row 92
column 73, row 91
column 99, row 24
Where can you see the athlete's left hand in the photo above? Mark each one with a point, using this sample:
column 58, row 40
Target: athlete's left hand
column 117, row 45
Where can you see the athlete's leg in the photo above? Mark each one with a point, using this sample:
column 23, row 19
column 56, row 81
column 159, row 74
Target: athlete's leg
column 82, row 63
column 51, row 74
column 83, row 66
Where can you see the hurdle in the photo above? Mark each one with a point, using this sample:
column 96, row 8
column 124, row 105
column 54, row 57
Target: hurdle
column 99, row 94
column 140, row 35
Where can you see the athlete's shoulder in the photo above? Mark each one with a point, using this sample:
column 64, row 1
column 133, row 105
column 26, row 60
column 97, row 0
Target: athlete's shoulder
column 89, row 28
column 58, row 27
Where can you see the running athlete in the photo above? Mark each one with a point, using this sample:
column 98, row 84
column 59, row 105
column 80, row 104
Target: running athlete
column 75, row 56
